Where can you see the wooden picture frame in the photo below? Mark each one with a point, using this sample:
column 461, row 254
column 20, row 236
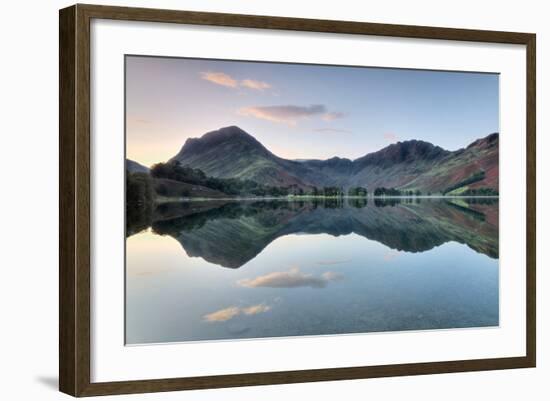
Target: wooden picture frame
column 75, row 206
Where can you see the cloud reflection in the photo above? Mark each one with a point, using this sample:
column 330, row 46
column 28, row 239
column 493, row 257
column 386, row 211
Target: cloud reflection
column 229, row 313
column 293, row 278
column 222, row 315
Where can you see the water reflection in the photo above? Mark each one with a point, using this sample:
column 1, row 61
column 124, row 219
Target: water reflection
column 325, row 266
column 232, row 233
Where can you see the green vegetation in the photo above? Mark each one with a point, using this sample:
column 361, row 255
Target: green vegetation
column 480, row 175
column 480, row 192
column 172, row 179
column 383, row 191
column 231, row 186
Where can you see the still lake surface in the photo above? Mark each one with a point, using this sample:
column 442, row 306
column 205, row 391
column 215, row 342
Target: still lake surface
column 213, row 270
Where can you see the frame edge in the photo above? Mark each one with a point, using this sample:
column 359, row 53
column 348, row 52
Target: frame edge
column 74, row 200
column 67, row 177
column 531, row 201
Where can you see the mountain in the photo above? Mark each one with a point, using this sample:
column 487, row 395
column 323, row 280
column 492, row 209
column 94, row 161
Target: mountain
column 135, row 167
column 230, row 152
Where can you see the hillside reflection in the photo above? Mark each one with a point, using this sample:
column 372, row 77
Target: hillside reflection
column 230, row 234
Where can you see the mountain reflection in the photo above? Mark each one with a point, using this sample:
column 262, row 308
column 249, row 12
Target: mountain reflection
column 231, row 233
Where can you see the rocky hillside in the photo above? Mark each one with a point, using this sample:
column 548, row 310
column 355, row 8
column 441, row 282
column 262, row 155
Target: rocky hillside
column 412, row 165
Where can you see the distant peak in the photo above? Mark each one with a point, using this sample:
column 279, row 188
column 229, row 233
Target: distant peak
column 231, row 131
column 414, row 142
column 489, row 141
column 226, row 136
column 411, row 146
column 404, row 151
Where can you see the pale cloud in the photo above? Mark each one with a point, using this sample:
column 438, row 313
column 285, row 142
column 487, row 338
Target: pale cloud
column 391, row 137
column 293, row 278
column 226, row 314
column 223, row 79
column 288, row 114
column 257, row 85
column 332, row 130
column 220, row 78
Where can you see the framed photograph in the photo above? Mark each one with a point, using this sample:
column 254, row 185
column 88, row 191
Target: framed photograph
column 250, row 200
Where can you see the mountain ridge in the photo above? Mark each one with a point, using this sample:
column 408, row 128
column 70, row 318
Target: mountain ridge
column 230, row 152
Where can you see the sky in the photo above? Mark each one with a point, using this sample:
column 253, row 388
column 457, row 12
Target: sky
column 302, row 111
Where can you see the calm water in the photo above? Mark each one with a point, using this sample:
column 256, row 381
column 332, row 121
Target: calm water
column 228, row 270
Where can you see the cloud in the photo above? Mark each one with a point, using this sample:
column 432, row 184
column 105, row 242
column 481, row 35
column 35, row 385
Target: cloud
column 257, row 85
column 290, row 279
column 220, row 78
column 332, row 130
column 223, row 79
column 288, row 113
column 226, row 314
column 391, row 137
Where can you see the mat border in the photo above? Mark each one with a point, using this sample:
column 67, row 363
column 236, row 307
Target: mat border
column 74, row 199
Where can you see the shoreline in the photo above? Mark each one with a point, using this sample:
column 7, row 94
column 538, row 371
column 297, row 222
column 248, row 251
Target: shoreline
column 312, row 197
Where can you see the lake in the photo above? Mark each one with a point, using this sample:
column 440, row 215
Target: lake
column 216, row 270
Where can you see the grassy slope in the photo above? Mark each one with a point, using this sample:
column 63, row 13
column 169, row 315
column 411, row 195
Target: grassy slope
column 459, row 166
column 166, row 188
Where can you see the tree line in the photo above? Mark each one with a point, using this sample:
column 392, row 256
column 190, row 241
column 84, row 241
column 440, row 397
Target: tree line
column 140, row 189
column 174, row 170
column 383, row 191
